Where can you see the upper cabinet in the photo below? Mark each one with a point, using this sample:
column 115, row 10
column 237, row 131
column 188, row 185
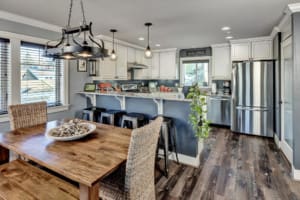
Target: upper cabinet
column 121, row 63
column 221, row 63
column 155, row 66
column 252, row 49
column 107, row 66
column 167, row 65
column 130, row 55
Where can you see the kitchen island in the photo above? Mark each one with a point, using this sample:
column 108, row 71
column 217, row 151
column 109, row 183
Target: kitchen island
column 172, row 105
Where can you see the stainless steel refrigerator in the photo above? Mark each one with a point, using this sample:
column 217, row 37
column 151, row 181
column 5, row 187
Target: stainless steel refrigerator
column 253, row 98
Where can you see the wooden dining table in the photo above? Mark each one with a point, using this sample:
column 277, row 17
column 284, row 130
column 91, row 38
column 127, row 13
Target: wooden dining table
column 84, row 161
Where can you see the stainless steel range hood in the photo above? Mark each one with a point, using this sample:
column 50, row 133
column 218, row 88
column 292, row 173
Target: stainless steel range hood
column 135, row 65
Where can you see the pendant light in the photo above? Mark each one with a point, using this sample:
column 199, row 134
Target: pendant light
column 148, row 53
column 113, row 55
column 72, row 46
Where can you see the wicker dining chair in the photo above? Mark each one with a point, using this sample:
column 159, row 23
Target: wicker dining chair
column 135, row 179
column 26, row 115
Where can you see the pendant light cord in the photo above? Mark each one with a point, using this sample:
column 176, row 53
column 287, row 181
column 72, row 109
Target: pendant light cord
column 113, row 41
column 148, row 36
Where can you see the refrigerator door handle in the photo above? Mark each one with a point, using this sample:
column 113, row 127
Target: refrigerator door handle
column 219, row 99
column 251, row 109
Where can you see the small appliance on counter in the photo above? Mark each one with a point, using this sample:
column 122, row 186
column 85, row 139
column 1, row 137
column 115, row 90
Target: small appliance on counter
column 152, row 86
column 214, row 88
column 227, row 87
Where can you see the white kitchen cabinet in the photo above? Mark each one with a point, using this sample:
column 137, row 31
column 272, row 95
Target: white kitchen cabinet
column 241, row 51
column 221, row 63
column 141, row 59
column 121, row 62
column 139, row 56
column 155, row 66
column 130, row 55
column 252, row 49
column 262, row 50
column 107, row 66
column 167, row 63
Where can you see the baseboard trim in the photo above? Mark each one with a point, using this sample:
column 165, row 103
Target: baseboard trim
column 276, row 140
column 187, row 160
column 295, row 174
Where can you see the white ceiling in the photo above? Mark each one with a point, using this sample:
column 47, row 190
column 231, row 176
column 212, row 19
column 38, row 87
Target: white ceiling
column 177, row 23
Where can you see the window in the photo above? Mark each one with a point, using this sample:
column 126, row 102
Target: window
column 4, row 67
column 41, row 77
column 195, row 71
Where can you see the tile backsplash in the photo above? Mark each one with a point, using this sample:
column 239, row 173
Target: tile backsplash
column 168, row 83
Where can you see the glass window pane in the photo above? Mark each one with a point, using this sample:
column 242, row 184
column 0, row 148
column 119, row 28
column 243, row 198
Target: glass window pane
column 40, row 76
column 190, row 74
column 196, row 72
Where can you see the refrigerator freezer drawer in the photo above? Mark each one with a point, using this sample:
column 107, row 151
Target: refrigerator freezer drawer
column 254, row 121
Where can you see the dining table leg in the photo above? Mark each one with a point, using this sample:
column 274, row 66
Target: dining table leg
column 89, row 192
column 4, row 155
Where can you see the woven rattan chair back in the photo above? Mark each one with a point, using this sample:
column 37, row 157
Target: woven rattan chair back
column 26, row 115
column 139, row 178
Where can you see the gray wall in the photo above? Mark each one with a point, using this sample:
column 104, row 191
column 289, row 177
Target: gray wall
column 76, row 79
column 296, row 89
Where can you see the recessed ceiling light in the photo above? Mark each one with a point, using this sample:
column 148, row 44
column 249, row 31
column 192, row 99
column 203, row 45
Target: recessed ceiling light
column 141, row 38
column 157, row 45
column 228, row 37
column 225, row 28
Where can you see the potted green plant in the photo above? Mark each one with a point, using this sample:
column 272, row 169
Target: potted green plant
column 197, row 117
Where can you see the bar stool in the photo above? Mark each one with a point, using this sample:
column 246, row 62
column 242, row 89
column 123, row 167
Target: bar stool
column 133, row 120
column 92, row 113
column 167, row 141
column 111, row 117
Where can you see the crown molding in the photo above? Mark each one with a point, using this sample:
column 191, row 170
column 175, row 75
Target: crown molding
column 109, row 39
column 293, row 8
column 220, row 45
column 29, row 21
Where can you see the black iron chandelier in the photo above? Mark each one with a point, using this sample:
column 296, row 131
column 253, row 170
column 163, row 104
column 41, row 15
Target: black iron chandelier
column 76, row 42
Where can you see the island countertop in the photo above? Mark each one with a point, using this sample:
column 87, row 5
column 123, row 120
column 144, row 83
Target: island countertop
column 172, row 96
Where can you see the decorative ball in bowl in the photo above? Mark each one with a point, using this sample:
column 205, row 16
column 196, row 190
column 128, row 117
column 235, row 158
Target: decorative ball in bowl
column 72, row 130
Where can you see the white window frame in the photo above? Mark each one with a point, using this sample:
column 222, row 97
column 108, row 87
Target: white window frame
column 196, row 58
column 14, row 76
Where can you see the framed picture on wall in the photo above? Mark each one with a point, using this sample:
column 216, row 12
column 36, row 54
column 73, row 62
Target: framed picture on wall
column 81, row 65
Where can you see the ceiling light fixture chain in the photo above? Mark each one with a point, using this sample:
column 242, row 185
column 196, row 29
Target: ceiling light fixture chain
column 70, row 14
column 83, row 13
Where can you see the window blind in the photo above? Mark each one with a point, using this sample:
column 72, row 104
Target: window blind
column 41, row 77
column 4, row 70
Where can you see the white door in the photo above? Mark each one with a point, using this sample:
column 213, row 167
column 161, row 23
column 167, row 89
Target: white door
column 286, row 142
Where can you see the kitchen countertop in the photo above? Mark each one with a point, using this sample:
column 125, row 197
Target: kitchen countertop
column 172, row 96
column 219, row 95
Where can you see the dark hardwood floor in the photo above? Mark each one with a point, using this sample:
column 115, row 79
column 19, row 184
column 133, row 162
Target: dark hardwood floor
column 233, row 167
